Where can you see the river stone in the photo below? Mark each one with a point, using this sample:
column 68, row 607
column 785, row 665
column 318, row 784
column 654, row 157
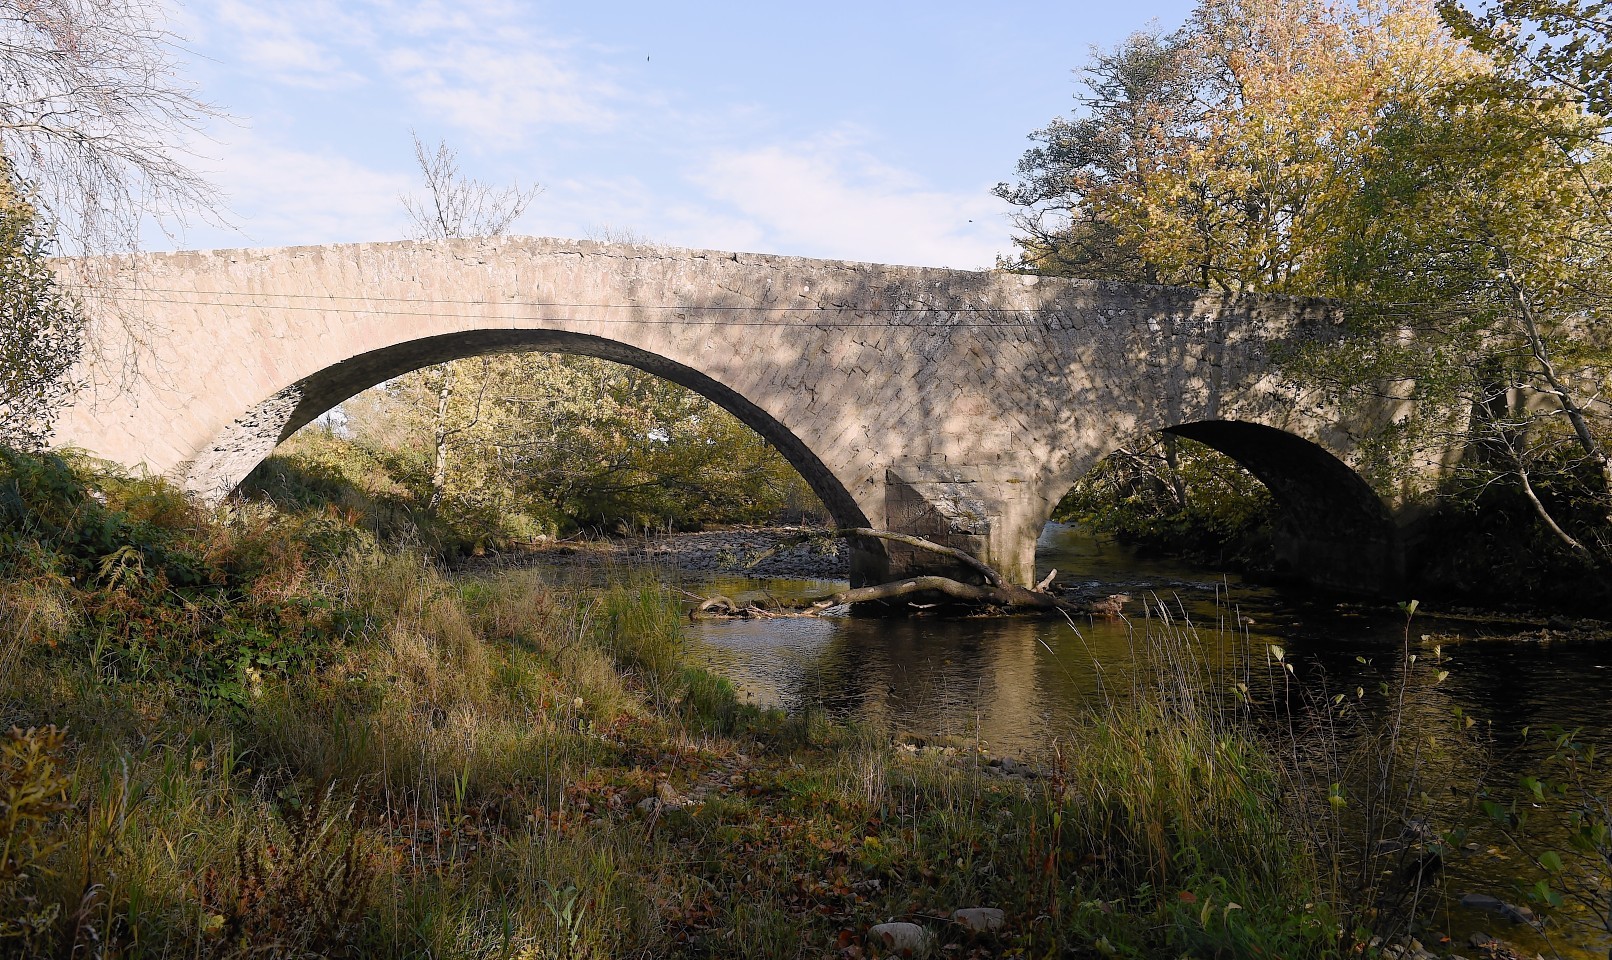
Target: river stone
column 1500, row 908
column 980, row 919
column 904, row 939
column 1493, row 949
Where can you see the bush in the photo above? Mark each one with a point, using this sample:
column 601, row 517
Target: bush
column 1175, row 496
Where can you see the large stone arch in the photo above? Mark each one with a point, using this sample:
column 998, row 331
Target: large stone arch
column 955, row 404
column 241, row 446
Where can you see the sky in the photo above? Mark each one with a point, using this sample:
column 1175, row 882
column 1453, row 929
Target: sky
column 859, row 131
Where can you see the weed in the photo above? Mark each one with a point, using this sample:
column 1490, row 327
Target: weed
column 302, row 890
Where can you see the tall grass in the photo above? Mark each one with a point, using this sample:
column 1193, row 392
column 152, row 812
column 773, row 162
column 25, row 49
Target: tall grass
column 281, row 740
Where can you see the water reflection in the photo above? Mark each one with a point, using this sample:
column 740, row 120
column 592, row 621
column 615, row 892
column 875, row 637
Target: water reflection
column 1014, row 685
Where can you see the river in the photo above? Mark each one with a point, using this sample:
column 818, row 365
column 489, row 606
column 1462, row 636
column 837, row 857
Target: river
column 1013, row 686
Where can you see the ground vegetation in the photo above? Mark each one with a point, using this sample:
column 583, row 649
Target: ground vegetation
column 245, row 732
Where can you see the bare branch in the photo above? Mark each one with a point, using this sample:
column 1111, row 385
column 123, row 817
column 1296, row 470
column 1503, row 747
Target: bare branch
column 95, row 121
column 457, row 206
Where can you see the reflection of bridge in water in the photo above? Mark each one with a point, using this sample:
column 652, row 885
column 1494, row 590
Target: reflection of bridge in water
column 952, row 404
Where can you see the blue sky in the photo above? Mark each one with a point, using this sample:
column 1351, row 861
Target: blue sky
column 863, row 131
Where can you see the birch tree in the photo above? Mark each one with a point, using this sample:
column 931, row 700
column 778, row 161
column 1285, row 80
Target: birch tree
column 454, row 206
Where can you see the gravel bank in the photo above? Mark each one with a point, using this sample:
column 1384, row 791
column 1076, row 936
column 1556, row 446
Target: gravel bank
column 720, row 551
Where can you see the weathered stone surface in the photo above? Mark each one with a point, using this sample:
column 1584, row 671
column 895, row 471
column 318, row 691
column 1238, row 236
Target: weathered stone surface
column 980, row 919
column 958, row 404
column 901, row 938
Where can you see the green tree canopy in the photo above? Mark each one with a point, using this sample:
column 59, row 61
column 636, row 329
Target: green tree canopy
column 41, row 330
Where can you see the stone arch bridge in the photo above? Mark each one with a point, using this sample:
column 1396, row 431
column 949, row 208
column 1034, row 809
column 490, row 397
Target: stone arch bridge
column 954, row 404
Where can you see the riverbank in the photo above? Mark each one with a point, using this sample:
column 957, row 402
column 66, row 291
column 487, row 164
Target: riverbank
column 760, row 552
column 256, row 733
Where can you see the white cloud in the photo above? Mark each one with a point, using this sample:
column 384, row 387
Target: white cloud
column 501, row 93
column 829, row 198
column 474, row 64
column 280, row 44
column 281, row 196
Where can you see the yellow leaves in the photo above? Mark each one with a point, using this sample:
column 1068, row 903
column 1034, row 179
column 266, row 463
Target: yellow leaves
column 1251, row 201
column 33, row 789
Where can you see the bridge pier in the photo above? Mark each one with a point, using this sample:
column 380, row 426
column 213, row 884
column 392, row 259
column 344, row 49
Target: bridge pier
column 984, row 510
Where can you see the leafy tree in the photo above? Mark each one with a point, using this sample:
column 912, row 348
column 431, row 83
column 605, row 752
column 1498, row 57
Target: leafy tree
column 1093, row 176
column 1565, row 45
column 41, row 329
column 1480, row 260
column 1217, row 156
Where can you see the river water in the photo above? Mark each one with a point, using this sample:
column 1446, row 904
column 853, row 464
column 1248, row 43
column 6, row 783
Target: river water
column 1011, row 686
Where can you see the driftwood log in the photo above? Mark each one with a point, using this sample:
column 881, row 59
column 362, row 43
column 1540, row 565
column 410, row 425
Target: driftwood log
column 994, row 594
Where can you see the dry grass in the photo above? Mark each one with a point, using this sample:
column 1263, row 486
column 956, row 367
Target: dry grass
column 475, row 768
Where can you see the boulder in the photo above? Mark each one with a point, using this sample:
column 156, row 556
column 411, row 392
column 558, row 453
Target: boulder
column 1500, row 908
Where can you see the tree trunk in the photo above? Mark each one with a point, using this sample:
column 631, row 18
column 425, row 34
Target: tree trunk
column 1009, row 596
column 440, row 434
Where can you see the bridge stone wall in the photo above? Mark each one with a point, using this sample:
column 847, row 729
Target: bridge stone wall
column 957, row 404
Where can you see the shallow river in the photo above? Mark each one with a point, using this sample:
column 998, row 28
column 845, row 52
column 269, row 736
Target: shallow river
column 1014, row 686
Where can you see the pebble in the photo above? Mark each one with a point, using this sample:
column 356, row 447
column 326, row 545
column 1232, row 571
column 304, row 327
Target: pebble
column 668, row 795
column 901, row 938
column 1500, row 908
column 980, row 919
column 1492, row 949
column 1009, row 767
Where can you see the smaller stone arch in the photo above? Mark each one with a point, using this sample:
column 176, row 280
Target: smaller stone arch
column 1332, row 529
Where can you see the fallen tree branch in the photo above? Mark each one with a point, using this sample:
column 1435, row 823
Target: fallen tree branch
column 996, row 596
column 995, row 593
column 1009, row 599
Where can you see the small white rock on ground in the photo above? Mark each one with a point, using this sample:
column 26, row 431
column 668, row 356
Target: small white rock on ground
column 906, row 939
column 980, row 919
